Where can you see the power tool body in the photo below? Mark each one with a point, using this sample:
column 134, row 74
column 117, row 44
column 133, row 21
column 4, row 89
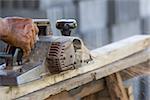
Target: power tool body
column 51, row 55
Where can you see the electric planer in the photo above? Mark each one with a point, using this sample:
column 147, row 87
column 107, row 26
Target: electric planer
column 51, row 55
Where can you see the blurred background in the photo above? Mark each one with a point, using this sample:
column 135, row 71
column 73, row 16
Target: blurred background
column 99, row 21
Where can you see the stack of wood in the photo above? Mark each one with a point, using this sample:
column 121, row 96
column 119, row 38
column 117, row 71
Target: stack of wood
column 100, row 80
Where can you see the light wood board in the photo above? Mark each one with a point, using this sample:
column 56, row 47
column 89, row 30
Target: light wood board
column 107, row 60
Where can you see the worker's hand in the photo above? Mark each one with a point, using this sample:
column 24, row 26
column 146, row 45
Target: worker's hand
column 19, row 32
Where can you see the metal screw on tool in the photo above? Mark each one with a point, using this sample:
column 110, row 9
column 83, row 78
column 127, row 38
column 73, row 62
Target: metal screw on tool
column 66, row 25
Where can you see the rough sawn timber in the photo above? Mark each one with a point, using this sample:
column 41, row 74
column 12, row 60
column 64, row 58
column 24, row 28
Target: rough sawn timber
column 107, row 60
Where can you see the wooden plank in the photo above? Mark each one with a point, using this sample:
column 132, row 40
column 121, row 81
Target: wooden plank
column 129, row 91
column 115, row 87
column 103, row 56
column 123, row 63
column 141, row 69
column 80, row 92
column 89, row 88
column 121, row 49
column 90, row 76
column 101, row 95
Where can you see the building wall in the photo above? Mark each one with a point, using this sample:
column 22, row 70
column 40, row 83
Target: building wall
column 23, row 8
column 99, row 21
